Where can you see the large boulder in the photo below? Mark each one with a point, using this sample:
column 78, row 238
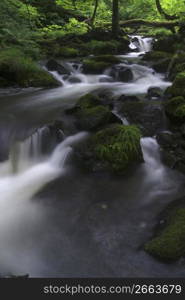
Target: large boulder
column 148, row 115
column 121, row 73
column 160, row 61
column 155, row 93
column 168, row 244
column 175, row 109
column 100, row 47
column 53, row 65
column 167, row 43
column 97, row 64
column 91, row 114
column 115, row 148
column 18, row 69
column 178, row 86
column 173, row 149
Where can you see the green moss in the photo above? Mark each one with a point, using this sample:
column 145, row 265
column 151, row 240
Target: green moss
column 67, row 52
column 167, row 43
column 118, row 146
column 178, row 86
column 170, row 243
column 42, row 78
column 97, row 64
column 103, row 47
column 175, row 109
column 106, row 58
column 176, row 68
column 92, row 118
column 93, row 67
column 18, row 69
column 91, row 114
column 180, row 111
column 88, row 101
column 156, row 55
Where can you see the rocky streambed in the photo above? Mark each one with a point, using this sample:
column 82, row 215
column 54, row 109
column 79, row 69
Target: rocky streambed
column 88, row 167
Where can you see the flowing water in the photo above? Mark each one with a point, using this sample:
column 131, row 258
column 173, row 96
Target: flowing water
column 57, row 221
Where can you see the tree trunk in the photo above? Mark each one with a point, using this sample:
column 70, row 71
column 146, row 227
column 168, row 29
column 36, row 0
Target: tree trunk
column 94, row 13
column 115, row 18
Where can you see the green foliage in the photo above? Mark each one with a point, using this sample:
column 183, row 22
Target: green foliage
column 103, row 47
column 156, row 55
column 91, row 114
column 67, row 52
column 92, row 67
column 88, row 101
column 118, row 146
column 170, row 242
column 54, row 32
column 97, row 64
column 18, row 69
column 178, row 86
column 175, row 109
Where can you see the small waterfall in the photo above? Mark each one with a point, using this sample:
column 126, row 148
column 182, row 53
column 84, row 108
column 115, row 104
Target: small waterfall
column 151, row 153
column 28, row 170
column 158, row 179
column 141, row 44
column 123, row 119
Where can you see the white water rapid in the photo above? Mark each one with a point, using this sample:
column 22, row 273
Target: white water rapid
column 28, row 170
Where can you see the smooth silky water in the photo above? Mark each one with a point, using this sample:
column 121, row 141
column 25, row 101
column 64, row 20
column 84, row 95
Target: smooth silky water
column 59, row 222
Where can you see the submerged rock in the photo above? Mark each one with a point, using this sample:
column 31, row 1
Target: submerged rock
column 73, row 79
column 154, row 93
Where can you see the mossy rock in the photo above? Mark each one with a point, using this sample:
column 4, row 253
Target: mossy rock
column 18, row 69
column 175, row 109
column 160, row 61
column 103, row 47
column 91, row 114
column 92, row 67
column 178, row 86
column 67, row 52
column 95, row 117
column 169, row 244
column 117, row 147
column 156, row 55
column 106, row 58
column 147, row 115
column 167, row 43
column 97, row 64
column 177, row 65
column 175, row 69
column 88, row 101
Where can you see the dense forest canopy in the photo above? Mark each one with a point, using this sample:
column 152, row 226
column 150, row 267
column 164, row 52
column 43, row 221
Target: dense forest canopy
column 25, row 23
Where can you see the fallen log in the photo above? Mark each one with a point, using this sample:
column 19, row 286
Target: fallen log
column 141, row 22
